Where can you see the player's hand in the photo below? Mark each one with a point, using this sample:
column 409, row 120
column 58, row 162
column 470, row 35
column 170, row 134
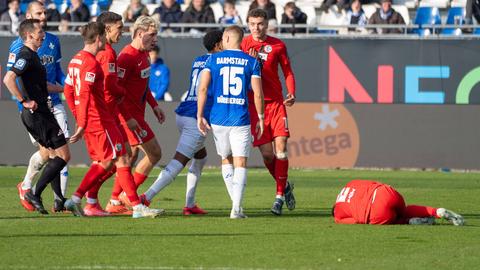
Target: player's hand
column 132, row 124
column 159, row 114
column 78, row 135
column 252, row 52
column 259, row 128
column 203, row 126
column 30, row 105
column 290, row 100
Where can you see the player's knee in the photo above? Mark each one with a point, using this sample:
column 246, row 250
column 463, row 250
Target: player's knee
column 281, row 155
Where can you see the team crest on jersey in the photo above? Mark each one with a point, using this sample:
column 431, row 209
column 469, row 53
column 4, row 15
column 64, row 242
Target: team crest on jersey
column 20, row 64
column 51, row 46
column 11, row 57
column 90, row 77
column 111, row 67
column 121, row 72
column 118, row 147
column 145, row 73
column 268, row 48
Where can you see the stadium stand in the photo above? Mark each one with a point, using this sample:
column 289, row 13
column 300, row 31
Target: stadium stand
column 426, row 16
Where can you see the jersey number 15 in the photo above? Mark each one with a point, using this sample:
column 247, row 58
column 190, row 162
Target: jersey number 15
column 232, row 82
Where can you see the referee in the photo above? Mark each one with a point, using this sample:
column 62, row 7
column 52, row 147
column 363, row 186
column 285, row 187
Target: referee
column 37, row 113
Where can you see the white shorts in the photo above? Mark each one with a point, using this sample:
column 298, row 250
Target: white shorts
column 61, row 116
column 232, row 141
column 191, row 140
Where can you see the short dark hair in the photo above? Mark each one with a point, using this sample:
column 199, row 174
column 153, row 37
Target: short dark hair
column 27, row 26
column 109, row 17
column 237, row 30
column 91, row 31
column 257, row 13
column 155, row 49
column 229, row 2
column 211, row 38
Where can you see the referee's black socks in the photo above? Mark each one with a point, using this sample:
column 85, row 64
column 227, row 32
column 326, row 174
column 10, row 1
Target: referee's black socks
column 51, row 171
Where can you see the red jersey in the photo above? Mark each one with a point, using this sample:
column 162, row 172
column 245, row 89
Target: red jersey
column 355, row 201
column 133, row 74
column 84, row 93
column 113, row 90
column 273, row 52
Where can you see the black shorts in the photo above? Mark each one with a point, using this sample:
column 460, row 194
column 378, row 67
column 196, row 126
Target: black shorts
column 44, row 128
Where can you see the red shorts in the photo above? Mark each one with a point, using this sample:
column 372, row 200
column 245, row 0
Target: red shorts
column 142, row 135
column 276, row 122
column 105, row 145
column 388, row 206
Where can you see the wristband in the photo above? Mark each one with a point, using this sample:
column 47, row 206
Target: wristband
column 261, row 116
column 23, row 100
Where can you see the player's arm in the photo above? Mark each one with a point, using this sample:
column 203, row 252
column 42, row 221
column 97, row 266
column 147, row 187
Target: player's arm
column 10, row 80
column 289, row 76
column 205, row 78
column 86, row 80
column 256, row 83
column 68, row 92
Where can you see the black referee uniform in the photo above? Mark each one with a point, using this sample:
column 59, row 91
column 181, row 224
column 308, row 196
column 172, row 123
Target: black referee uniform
column 41, row 123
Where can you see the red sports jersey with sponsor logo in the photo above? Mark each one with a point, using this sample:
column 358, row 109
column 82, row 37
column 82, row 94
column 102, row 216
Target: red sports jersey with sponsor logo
column 355, row 201
column 133, row 73
column 273, row 52
column 84, row 93
column 114, row 92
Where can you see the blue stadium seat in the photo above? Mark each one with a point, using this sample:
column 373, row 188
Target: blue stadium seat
column 456, row 15
column 426, row 16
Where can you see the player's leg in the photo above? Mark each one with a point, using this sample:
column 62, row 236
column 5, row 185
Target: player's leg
column 35, row 164
column 93, row 207
column 193, row 177
column 386, row 207
column 61, row 117
column 115, row 205
column 240, row 141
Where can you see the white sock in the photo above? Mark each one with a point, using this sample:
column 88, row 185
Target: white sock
column 239, row 183
column 76, row 199
column 227, row 173
column 91, row 200
column 193, row 176
column 167, row 175
column 34, row 166
column 115, row 202
column 64, row 180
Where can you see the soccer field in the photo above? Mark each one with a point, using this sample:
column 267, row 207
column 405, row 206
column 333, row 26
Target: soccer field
column 305, row 238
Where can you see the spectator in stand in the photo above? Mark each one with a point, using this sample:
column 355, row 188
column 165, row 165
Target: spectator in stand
column 198, row 12
column 230, row 14
column 134, row 10
column 3, row 5
column 386, row 15
column 159, row 76
column 169, row 11
column 12, row 15
column 77, row 12
column 293, row 15
column 266, row 5
column 356, row 16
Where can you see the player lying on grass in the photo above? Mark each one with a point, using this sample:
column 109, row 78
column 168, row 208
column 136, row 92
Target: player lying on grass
column 370, row 202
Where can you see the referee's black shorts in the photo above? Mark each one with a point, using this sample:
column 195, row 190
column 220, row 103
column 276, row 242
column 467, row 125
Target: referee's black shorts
column 44, row 128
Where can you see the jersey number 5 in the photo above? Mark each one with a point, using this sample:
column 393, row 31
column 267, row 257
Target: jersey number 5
column 232, row 82
column 74, row 74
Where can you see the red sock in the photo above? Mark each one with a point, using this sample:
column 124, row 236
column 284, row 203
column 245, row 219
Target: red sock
column 139, row 178
column 90, row 179
column 128, row 185
column 93, row 192
column 281, row 171
column 420, row 211
column 271, row 166
column 117, row 188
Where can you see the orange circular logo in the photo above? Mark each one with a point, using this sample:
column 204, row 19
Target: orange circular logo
column 322, row 136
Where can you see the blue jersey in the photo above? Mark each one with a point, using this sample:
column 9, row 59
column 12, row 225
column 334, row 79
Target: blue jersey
column 231, row 73
column 50, row 56
column 188, row 107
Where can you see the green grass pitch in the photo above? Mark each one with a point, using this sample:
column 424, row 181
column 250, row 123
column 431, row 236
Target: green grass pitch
column 305, row 238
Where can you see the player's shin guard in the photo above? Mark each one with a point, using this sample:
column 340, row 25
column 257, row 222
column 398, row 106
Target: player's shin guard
column 127, row 183
column 227, row 173
column 34, row 166
column 139, row 178
column 420, row 211
column 64, row 180
column 239, row 183
column 52, row 169
column 193, row 177
column 93, row 175
column 167, row 175
column 281, row 171
column 93, row 192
